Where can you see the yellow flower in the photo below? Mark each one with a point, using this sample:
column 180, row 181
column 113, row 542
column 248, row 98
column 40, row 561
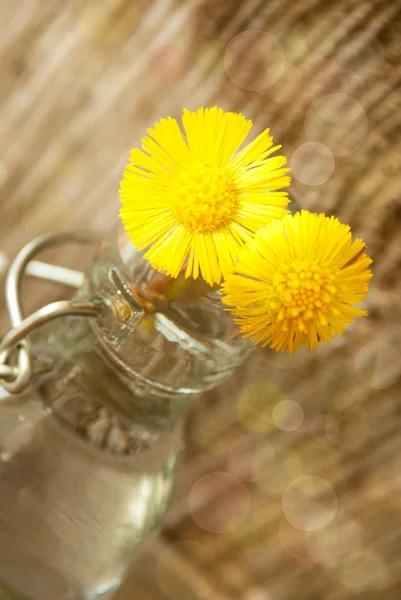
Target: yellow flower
column 193, row 200
column 297, row 283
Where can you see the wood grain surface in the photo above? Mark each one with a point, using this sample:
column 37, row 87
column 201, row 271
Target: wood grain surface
column 291, row 485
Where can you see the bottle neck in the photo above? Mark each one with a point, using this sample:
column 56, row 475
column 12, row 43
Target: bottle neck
column 156, row 344
column 87, row 388
column 85, row 368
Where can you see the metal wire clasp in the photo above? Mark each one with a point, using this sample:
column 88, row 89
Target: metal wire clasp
column 15, row 358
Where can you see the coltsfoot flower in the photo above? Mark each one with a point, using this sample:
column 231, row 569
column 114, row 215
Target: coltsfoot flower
column 193, row 200
column 298, row 282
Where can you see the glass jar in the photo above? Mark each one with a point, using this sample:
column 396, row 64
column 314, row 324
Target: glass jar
column 88, row 453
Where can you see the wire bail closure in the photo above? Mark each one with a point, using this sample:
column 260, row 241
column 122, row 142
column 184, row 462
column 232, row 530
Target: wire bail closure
column 15, row 355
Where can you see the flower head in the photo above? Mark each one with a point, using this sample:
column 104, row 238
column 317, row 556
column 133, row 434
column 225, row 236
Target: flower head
column 298, row 282
column 193, row 200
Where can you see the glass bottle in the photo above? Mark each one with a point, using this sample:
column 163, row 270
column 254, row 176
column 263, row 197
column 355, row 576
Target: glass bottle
column 88, row 453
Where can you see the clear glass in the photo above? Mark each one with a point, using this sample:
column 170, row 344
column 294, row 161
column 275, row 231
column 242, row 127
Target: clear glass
column 89, row 452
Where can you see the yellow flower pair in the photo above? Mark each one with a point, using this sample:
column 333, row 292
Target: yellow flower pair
column 200, row 206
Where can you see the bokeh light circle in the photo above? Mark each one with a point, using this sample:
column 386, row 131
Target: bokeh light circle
column 309, row 503
column 342, row 538
column 378, row 364
column 232, row 506
column 177, row 582
column 251, row 458
column 324, row 428
column 337, row 121
column 348, row 550
column 312, row 163
column 308, row 457
column 255, row 405
column 288, row 415
column 254, row 60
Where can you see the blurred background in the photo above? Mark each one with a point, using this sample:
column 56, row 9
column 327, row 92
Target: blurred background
column 80, row 81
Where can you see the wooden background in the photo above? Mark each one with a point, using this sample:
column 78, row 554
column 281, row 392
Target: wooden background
column 79, row 83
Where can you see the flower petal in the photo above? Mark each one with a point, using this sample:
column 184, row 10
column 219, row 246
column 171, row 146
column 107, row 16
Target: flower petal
column 214, row 135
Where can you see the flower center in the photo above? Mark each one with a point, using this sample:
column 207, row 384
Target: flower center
column 203, row 198
column 303, row 292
